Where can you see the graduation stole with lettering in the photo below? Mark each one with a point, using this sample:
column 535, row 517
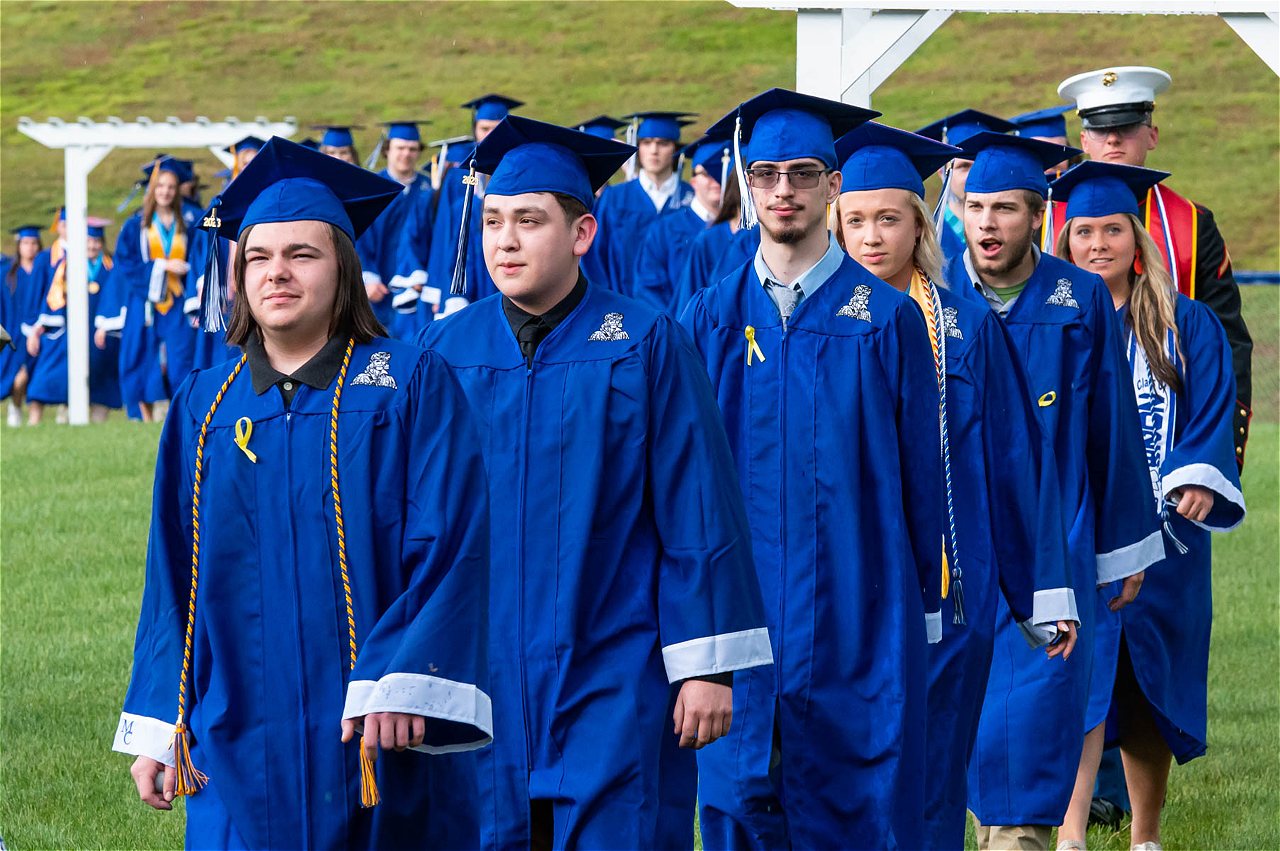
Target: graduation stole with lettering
column 925, row 294
column 1173, row 223
column 174, row 286
column 190, row 780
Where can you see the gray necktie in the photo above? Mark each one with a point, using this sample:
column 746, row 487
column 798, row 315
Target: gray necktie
column 787, row 297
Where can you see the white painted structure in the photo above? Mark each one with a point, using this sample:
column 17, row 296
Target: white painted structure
column 85, row 143
column 846, row 49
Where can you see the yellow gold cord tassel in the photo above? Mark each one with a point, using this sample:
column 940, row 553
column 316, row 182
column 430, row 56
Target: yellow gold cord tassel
column 190, row 779
column 368, row 779
column 753, row 348
column 946, row 573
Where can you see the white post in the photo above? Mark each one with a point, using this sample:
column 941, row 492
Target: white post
column 876, row 43
column 1261, row 31
column 819, row 35
column 79, row 160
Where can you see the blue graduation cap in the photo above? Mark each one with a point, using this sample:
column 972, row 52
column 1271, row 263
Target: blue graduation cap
column 1095, row 189
column 286, row 182
column 780, row 125
column 181, row 169
column 337, row 135
column 522, row 156
column 603, row 126
column 1048, row 122
column 97, row 227
column 311, row 143
column 491, row 107
column 658, row 125
column 406, row 129
column 959, row 126
column 248, row 143
column 1001, row 162
column 875, row 156
column 26, row 232
column 713, row 153
column 455, row 149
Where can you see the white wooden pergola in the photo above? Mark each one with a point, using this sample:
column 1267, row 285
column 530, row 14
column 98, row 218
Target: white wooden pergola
column 846, row 49
column 85, row 143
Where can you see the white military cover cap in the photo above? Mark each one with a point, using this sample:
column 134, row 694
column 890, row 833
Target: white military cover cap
column 1114, row 97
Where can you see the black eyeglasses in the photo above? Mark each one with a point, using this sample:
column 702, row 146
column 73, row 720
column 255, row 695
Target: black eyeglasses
column 1124, row 131
column 801, row 178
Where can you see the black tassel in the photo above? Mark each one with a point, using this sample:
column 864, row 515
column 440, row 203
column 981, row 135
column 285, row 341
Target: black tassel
column 215, row 295
column 459, row 284
column 957, row 597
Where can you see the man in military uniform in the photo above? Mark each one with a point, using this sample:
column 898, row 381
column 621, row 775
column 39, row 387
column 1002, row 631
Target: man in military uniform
column 1115, row 107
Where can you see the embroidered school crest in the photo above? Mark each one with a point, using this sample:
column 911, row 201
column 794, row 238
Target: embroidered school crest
column 951, row 323
column 377, row 373
column 857, row 306
column 1062, row 295
column 610, row 330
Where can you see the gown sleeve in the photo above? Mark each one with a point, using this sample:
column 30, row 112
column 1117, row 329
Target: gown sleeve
column 1127, row 536
column 150, row 705
column 1202, row 453
column 427, row 655
column 650, row 279
column 710, row 612
column 1026, row 528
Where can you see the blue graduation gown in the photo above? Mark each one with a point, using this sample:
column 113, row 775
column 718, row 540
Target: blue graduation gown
column 951, row 236
column 22, row 303
column 663, row 253
column 49, row 376
column 210, row 347
column 1008, row 544
column 1031, row 731
column 622, row 565
column 624, row 211
column 715, row 252
column 436, row 300
column 835, row 435
column 379, row 247
column 143, row 376
column 271, row 676
column 1188, row 441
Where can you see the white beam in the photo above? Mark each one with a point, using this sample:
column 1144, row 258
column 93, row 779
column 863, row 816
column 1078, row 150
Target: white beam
column 1064, row 7
column 876, row 43
column 1261, row 31
column 819, row 36
column 144, row 133
column 80, row 160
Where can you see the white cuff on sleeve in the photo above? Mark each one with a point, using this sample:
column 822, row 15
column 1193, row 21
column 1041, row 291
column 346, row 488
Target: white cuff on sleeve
column 428, row 696
column 418, row 278
column 1206, row 476
column 1135, row 558
column 191, row 306
column 432, row 295
column 453, row 304
column 715, row 654
column 1038, row 635
column 370, row 278
column 933, row 626
column 155, row 290
column 52, row 320
column 141, row 735
column 405, row 300
column 109, row 323
column 1054, row 604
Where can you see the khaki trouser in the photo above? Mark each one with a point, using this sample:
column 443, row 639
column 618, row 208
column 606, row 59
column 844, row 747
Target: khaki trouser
column 1017, row 837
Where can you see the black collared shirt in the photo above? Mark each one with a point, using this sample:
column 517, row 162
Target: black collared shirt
column 531, row 330
column 318, row 372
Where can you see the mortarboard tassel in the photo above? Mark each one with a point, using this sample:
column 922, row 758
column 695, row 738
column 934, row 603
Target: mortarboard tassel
column 214, row 295
column 377, row 152
column 629, row 167
column 725, row 158
column 942, row 199
column 123, row 205
column 458, row 286
column 747, row 217
column 1167, row 526
column 369, row 796
column 679, row 177
column 190, row 779
column 1046, row 224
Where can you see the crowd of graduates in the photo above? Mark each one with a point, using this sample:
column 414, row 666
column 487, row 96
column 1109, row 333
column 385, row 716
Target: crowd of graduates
column 980, row 449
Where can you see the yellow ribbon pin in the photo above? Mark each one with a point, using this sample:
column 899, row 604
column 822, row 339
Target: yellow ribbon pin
column 244, row 430
column 1048, row 399
column 753, row 348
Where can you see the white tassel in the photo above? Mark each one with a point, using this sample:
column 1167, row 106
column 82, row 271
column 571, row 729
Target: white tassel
column 629, row 167
column 747, row 217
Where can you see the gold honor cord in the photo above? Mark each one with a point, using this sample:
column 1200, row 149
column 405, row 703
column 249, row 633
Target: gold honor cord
column 191, row 780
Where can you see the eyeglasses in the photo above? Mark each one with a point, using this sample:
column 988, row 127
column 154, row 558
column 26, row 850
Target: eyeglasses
column 1125, row 131
column 767, row 178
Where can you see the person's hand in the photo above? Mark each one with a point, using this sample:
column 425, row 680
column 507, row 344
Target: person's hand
column 1128, row 592
column 1065, row 642
column 377, row 292
column 33, row 343
column 100, row 338
column 146, row 771
column 393, row 731
column 703, row 713
column 176, row 267
column 1193, row 501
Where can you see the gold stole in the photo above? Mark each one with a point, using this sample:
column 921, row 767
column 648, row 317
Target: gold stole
column 174, row 285
column 921, row 291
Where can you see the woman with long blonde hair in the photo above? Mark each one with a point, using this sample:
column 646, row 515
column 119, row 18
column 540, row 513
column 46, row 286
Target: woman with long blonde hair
column 1150, row 659
column 1003, row 529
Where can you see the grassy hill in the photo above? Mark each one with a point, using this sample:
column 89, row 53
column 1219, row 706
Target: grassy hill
column 368, row 61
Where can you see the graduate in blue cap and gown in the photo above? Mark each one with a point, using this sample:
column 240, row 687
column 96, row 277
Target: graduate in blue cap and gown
column 394, row 297
column 47, row 337
column 243, row 153
column 626, row 209
column 1004, row 533
column 664, row 246
column 1151, row 658
column 720, row 249
column 338, row 141
column 952, row 130
column 317, row 569
column 22, row 293
column 152, row 259
column 623, row 601
column 447, row 222
column 1068, row 341
column 831, row 404
column 602, row 126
